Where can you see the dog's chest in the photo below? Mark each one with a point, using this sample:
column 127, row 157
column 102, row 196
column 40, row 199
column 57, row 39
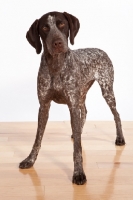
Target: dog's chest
column 66, row 78
column 56, row 83
column 63, row 82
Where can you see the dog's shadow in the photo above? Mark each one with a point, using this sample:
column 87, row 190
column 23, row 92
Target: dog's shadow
column 35, row 181
column 108, row 190
column 61, row 165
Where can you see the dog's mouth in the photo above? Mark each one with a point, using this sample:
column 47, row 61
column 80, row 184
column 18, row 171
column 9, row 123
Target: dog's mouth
column 58, row 50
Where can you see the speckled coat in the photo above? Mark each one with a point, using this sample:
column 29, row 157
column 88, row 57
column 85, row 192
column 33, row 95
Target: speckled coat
column 65, row 77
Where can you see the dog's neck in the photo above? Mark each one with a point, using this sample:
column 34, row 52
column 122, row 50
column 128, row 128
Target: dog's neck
column 54, row 62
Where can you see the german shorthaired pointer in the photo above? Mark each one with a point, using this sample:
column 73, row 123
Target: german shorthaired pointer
column 65, row 76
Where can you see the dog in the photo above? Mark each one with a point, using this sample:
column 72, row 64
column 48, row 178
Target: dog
column 65, row 76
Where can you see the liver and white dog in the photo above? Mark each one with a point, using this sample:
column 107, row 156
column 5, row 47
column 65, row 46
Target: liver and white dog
column 65, row 76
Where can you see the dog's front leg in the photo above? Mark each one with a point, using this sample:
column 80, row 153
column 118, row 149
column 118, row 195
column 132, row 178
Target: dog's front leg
column 79, row 177
column 42, row 120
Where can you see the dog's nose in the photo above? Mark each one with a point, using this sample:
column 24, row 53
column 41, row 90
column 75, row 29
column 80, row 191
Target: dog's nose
column 57, row 43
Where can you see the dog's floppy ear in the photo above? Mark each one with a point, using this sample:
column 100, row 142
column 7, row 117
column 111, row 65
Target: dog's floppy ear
column 33, row 37
column 73, row 25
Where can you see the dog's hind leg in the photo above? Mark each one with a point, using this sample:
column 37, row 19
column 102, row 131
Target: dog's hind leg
column 83, row 113
column 42, row 120
column 83, row 116
column 108, row 94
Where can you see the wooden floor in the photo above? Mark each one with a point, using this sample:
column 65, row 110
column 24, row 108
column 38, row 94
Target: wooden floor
column 109, row 168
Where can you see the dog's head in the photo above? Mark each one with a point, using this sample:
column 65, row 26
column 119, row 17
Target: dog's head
column 54, row 28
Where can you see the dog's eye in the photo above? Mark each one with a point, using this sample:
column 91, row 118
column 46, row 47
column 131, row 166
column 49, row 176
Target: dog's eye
column 45, row 28
column 61, row 25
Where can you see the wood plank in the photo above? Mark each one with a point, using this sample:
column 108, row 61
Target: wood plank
column 19, row 191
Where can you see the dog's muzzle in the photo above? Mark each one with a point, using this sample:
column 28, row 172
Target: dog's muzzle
column 58, row 46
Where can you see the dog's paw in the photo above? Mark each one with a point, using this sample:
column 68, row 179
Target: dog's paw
column 120, row 141
column 79, row 178
column 27, row 163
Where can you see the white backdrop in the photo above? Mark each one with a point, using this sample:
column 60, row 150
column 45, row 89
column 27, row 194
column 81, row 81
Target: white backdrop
column 105, row 24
